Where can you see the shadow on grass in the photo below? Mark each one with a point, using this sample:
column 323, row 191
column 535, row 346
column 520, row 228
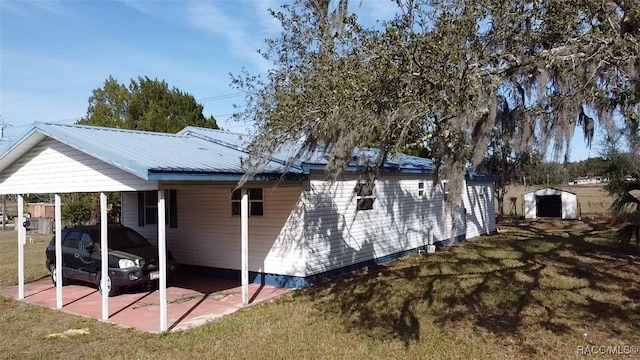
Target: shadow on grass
column 554, row 276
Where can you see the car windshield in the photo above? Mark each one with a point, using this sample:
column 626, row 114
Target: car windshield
column 124, row 238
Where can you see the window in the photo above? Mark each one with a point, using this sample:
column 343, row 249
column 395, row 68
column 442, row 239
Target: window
column 148, row 208
column 85, row 241
column 151, row 207
column 445, row 190
column 256, row 202
column 421, row 193
column 364, row 195
column 73, row 240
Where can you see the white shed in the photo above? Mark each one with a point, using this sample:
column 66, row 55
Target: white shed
column 550, row 203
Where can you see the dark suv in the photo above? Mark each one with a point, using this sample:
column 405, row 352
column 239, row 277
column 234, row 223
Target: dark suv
column 132, row 259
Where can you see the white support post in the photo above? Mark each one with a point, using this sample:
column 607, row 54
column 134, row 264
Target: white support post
column 104, row 256
column 162, row 260
column 244, row 225
column 58, row 220
column 22, row 235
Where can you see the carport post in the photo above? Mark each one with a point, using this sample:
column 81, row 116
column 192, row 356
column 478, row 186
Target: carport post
column 244, row 225
column 22, row 235
column 162, row 259
column 104, row 256
column 58, row 219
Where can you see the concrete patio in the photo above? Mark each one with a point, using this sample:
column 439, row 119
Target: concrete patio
column 191, row 301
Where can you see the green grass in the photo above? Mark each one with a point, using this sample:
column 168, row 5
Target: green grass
column 34, row 257
column 536, row 290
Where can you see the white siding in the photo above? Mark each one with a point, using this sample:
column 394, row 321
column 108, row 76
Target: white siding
column 207, row 234
column 479, row 205
column 569, row 205
column 339, row 235
column 51, row 166
column 316, row 228
column 530, row 209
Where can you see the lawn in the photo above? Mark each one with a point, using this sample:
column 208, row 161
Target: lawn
column 34, row 257
column 536, row 290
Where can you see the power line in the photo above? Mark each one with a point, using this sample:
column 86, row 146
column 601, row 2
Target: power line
column 220, row 97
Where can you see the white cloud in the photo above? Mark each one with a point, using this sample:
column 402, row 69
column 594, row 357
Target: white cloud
column 238, row 31
column 145, row 7
column 29, row 9
column 262, row 7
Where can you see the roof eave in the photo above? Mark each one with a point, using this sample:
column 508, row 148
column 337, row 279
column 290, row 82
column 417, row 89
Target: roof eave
column 162, row 175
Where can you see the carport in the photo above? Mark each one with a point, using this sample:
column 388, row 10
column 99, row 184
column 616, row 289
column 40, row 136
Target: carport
column 191, row 301
column 59, row 159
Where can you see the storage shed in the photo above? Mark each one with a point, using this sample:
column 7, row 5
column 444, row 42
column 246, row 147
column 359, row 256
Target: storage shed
column 550, row 203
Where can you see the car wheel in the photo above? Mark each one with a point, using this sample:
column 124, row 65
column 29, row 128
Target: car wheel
column 112, row 290
column 54, row 279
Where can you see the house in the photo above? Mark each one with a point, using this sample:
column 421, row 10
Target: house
column 550, row 203
column 286, row 226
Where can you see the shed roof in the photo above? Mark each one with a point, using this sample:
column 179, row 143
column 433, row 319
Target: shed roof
column 546, row 189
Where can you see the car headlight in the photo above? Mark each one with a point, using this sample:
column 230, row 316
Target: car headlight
column 126, row 263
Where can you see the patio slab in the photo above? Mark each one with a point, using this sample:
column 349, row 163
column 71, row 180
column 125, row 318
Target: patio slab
column 191, row 301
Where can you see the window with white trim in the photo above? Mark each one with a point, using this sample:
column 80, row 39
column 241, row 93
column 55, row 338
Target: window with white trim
column 364, row 195
column 256, row 202
column 148, row 208
column 421, row 191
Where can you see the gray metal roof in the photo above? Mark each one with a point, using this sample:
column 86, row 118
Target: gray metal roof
column 319, row 159
column 197, row 153
column 148, row 155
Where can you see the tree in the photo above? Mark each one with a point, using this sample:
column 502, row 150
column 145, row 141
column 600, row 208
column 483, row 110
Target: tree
column 145, row 104
column 623, row 171
column 77, row 207
column 434, row 75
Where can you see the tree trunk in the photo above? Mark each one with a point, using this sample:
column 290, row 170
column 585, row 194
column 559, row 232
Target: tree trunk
column 500, row 197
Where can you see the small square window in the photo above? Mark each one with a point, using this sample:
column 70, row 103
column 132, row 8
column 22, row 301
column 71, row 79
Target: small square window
column 364, row 195
column 255, row 194
column 256, row 208
column 151, row 198
column 256, row 202
column 148, row 208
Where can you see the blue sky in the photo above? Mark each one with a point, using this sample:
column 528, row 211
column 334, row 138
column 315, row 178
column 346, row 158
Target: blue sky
column 54, row 53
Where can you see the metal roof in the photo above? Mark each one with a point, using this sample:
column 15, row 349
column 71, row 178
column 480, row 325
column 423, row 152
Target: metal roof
column 148, row 155
column 319, row 159
column 199, row 154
